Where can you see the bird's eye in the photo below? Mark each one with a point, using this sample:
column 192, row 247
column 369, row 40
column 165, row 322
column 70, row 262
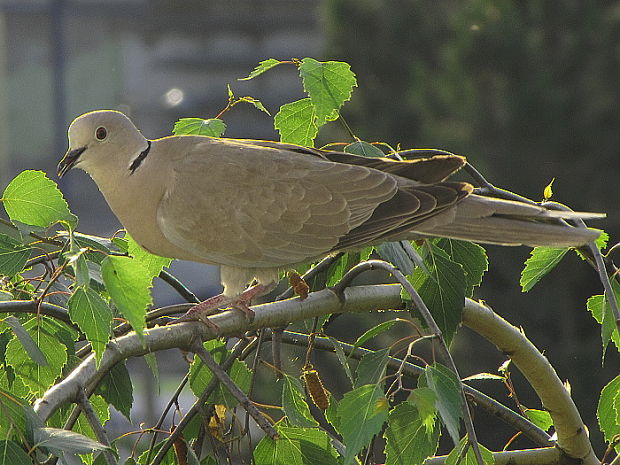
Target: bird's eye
column 101, row 133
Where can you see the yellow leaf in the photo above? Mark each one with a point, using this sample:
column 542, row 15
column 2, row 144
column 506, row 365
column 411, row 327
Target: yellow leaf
column 548, row 192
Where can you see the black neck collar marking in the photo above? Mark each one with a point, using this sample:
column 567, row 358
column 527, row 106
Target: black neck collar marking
column 140, row 158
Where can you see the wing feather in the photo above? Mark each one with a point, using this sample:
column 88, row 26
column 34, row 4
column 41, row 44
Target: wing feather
column 254, row 206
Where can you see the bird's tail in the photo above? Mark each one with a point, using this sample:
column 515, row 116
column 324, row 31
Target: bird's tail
column 505, row 222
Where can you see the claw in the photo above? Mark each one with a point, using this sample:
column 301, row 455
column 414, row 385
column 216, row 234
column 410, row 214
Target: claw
column 213, row 305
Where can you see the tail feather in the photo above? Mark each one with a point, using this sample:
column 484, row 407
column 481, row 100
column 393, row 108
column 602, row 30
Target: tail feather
column 508, row 231
column 504, row 222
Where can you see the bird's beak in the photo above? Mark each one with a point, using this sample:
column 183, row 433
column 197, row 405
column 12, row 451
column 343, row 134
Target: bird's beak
column 69, row 160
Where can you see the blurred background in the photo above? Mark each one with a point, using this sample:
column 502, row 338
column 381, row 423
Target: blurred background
column 527, row 90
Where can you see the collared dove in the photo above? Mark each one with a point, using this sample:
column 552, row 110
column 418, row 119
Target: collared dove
column 255, row 207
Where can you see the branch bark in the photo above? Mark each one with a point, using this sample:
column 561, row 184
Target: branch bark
column 571, row 433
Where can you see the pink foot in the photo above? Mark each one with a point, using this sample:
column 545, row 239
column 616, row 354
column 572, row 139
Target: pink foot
column 203, row 310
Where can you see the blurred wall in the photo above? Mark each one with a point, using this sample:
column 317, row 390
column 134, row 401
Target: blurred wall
column 528, row 92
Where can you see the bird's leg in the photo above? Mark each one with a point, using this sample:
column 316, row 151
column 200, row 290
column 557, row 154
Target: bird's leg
column 204, row 309
column 201, row 311
column 242, row 302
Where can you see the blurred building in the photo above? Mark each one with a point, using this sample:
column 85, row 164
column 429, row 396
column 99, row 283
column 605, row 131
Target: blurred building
column 157, row 61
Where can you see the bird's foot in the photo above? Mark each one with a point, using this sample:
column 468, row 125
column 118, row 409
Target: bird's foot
column 242, row 303
column 202, row 311
column 211, row 306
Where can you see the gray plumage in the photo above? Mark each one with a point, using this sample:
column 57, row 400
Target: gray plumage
column 255, row 207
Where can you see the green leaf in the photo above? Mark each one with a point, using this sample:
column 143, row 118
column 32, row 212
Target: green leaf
column 541, row 262
column 548, row 190
column 129, row 286
column 26, row 340
column 12, row 415
column 296, row 446
column 199, row 127
column 442, row 289
column 407, row 440
column 199, row 375
column 34, row 199
column 329, row 84
column 396, row 254
column 364, row 149
column 447, row 389
column 600, row 309
column 366, row 252
column 374, row 331
column 93, row 315
column 263, row 66
column 294, row 404
column 256, row 103
column 455, row 457
column 169, row 457
column 483, row 376
column 59, row 441
column 361, row 414
column 608, row 410
column 472, row 257
column 540, row 418
column 77, row 260
column 151, row 361
column 92, row 242
column 601, row 240
column 425, row 400
column 153, row 264
column 296, row 123
column 13, row 454
column 116, row 389
column 13, row 255
column 371, row 369
column 331, row 414
column 342, row 358
column 38, row 378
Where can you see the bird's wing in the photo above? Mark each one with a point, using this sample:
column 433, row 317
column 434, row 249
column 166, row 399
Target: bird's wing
column 251, row 205
column 426, row 169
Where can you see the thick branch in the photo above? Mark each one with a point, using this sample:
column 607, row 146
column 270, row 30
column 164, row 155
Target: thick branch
column 572, row 438
column 277, row 314
column 571, row 432
column 544, row 456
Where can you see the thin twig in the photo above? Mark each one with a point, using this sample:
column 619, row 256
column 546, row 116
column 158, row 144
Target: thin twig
column 95, row 424
column 486, row 188
column 225, row 379
column 496, row 409
column 173, row 400
column 195, row 408
column 276, row 350
column 30, row 306
column 599, row 263
column 178, row 286
column 42, row 259
column 434, row 328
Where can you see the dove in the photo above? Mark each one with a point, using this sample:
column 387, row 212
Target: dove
column 256, row 207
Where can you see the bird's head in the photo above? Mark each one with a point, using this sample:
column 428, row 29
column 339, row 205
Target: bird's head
column 99, row 139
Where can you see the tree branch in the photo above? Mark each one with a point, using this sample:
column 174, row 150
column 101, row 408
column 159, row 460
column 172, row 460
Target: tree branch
column 570, row 430
column 544, row 456
column 230, row 323
column 508, row 416
column 572, row 437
